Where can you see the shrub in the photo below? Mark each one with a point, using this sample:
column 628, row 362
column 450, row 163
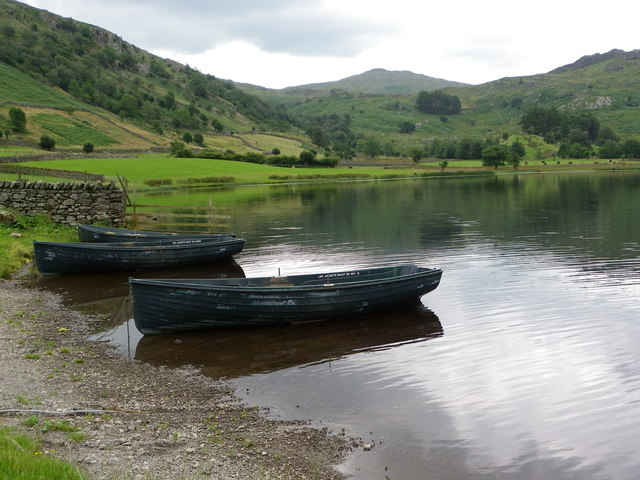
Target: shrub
column 47, row 142
column 154, row 182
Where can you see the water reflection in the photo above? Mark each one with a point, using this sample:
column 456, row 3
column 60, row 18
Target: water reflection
column 85, row 290
column 107, row 294
column 247, row 351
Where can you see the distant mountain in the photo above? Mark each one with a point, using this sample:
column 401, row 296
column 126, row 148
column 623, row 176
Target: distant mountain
column 380, row 82
column 589, row 60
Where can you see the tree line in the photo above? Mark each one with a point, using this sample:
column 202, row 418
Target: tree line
column 307, row 158
column 438, row 103
column 577, row 133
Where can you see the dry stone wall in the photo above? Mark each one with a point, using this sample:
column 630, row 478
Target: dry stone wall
column 65, row 202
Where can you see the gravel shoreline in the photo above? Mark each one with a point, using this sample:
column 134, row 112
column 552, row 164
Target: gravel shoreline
column 141, row 421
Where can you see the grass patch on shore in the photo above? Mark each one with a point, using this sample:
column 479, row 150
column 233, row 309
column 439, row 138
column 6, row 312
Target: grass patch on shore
column 16, row 240
column 22, row 458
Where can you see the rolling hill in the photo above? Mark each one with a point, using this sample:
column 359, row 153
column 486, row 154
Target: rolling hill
column 374, row 82
column 604, row 85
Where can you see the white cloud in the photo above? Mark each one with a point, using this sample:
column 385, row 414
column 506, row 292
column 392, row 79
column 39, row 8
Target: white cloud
column 277, row 43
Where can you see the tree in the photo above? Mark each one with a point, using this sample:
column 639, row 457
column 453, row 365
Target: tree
column 47, row 142
column 370, row 148
column 129, row 105
column 518, row 149
column 564, row 151
column 407, row 127
column 318, row 136
column 443, row 164
column 183, row 118
column 586, row 122
column 198, row 139
column 475, row 150
column 60, row 77
column 177, row 149
column 514, row 160
column 215, row 123
column 187, row 137
column 606, row 133
column 107, row 56
column 87, row 147
column 416, row 155
column 631, row 148
column 17, row 119
column 578, row 136
column 463, row 149
column 496, row 155
column 275, row 151
column 168, row 101
column 307, row 157
column 198, row 85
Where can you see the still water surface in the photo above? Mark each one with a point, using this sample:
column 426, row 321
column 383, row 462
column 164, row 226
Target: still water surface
column 523, row 364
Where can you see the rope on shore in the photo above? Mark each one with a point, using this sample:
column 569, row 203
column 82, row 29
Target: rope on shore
column 69, row 412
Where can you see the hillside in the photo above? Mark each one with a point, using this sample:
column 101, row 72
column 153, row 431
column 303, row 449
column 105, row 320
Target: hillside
column 73, row 66
column 72, row 123
column 602, row 85
column 605, row 84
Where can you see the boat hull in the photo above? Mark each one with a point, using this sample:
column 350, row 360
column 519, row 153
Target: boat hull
column 58, row 258
column 161, row 306
column 93, row 233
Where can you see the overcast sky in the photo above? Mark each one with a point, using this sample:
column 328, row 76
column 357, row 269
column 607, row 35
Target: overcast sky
column 280, row 43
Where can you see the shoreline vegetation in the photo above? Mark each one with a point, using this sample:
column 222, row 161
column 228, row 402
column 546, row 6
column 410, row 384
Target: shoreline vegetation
column 160, row 171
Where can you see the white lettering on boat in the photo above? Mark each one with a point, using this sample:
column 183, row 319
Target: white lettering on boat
column 339, row 275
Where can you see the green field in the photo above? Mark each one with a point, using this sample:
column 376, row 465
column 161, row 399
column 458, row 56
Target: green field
column 181, row 171
column 150, row 171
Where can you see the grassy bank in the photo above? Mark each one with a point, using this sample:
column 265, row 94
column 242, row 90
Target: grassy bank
column 151, row 171
column 16, row 241
column 22, row 458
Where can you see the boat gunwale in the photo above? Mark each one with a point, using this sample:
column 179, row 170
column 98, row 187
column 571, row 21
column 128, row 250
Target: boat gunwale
column 182, row 284
column 125, row 232
column 151, row 245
